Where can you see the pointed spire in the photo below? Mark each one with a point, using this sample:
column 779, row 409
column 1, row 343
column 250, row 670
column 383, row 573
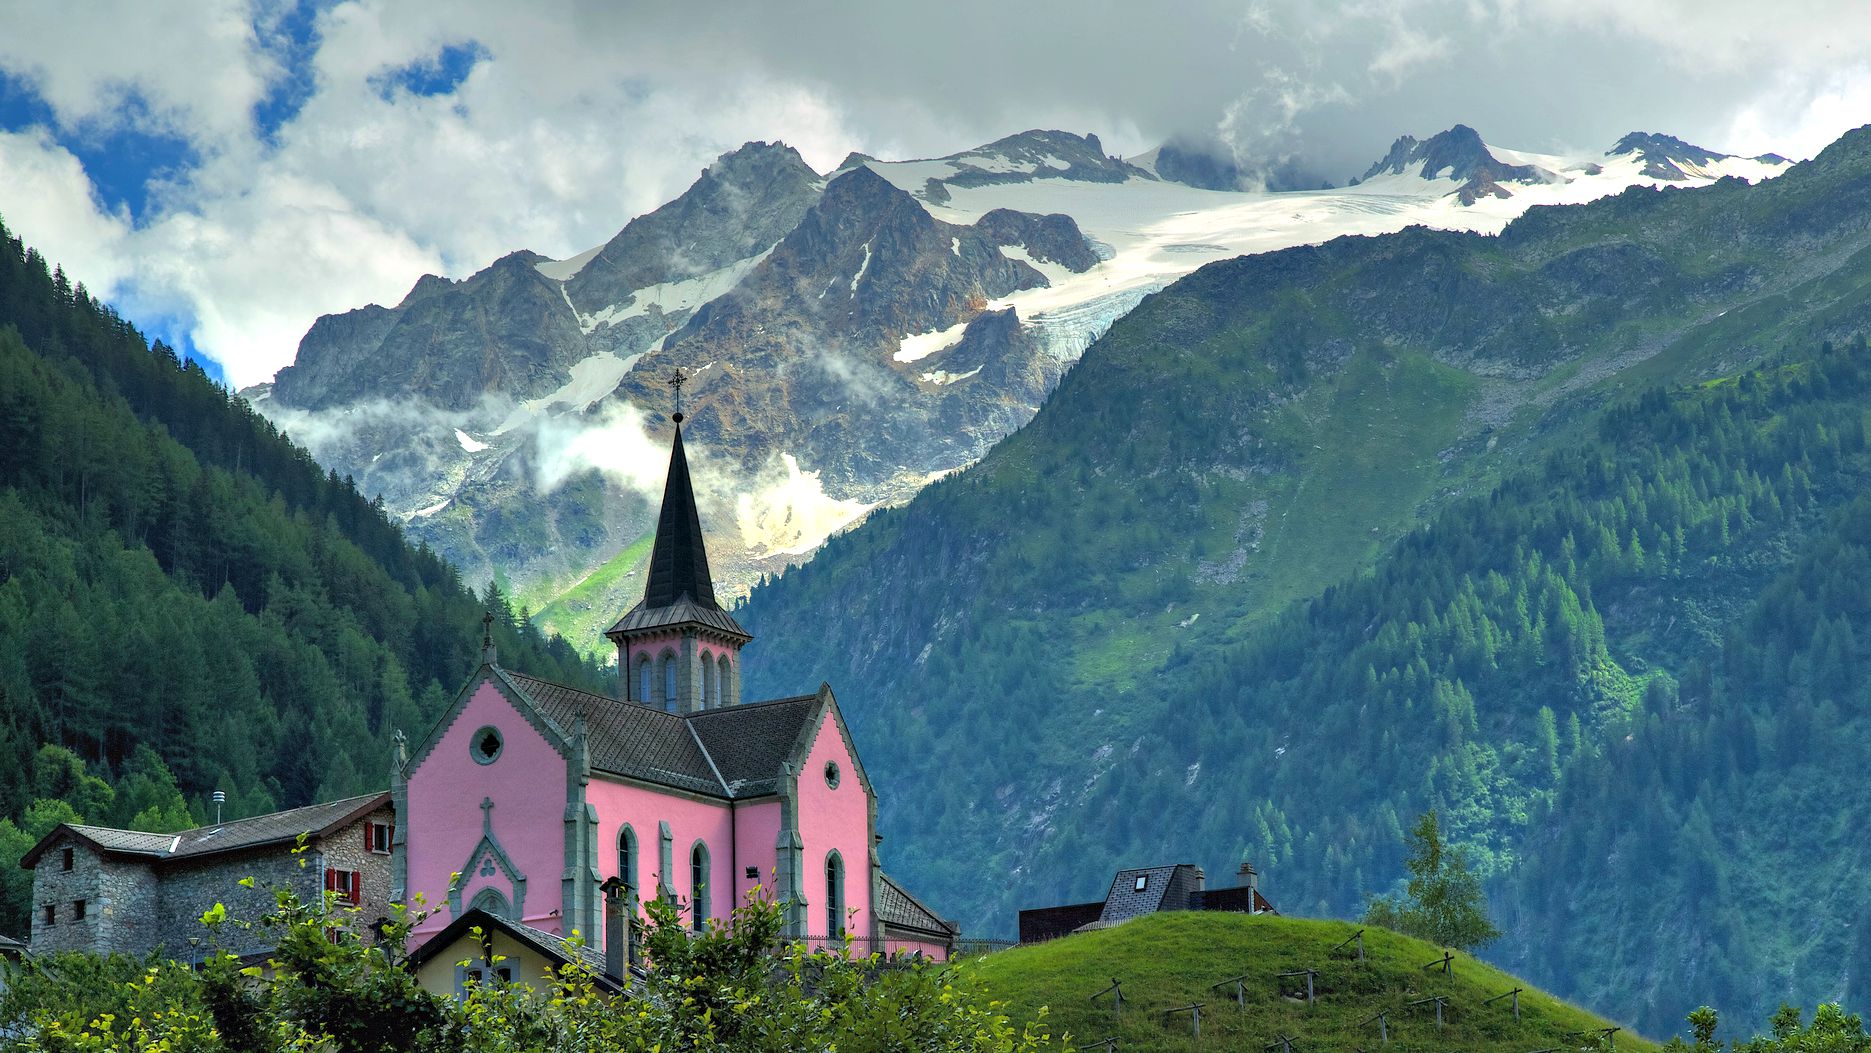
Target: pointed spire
column 679, row 560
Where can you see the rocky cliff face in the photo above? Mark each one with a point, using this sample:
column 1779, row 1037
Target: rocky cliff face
column 504, row 415
column 850, row 337
column 1459, row 155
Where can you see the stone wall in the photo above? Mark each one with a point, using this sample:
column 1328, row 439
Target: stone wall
column 189, row 888
column 119, row 896
column 134, row 906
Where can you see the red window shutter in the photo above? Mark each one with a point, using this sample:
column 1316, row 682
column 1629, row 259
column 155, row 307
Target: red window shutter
column 357, row 887
column 331, row 880
column 389, row 834
column 369, row 843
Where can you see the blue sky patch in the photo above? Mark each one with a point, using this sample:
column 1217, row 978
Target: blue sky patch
column 292, row 40
column 439, row 74
column 121, row 161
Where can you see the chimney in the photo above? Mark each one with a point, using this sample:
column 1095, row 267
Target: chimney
column 1248, row 877
column 1201, row 880
column 616, row 930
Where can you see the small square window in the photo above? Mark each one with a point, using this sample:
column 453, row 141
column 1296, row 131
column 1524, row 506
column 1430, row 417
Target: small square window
column 1142, row 880
column 379, row 838
column 77, row 910
column 51, row 914
column 753, row 873
column 66, row 858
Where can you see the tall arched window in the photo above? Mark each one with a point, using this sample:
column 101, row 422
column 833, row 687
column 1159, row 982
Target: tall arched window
column 669, row 681
column 724, row 680
column 698, row 885
column 627, row 857
column 835, row 895
column 708, row 681
column 643, row 681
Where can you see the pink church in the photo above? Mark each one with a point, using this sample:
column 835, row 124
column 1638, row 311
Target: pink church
column 536, row 794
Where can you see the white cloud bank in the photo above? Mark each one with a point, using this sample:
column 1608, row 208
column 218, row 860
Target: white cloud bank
column 579, row 115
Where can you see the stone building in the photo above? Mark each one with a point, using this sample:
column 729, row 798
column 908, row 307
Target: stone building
column 528, row 796
column 126, row 891
column 1147, row 890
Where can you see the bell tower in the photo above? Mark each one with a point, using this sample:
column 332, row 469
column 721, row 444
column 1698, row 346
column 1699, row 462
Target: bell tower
column 677, row 649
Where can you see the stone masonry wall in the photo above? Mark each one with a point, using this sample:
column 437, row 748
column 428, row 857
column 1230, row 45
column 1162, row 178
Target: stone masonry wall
column 119, row 899
column 187, row 889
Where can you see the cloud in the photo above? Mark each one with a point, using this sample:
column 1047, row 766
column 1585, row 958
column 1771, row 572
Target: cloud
column 333, row 158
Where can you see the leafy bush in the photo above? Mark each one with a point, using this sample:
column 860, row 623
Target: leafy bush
column 329, row 987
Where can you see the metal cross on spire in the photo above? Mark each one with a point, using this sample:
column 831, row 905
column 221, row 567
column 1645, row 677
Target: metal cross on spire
column 487, row 637
column 676, row 380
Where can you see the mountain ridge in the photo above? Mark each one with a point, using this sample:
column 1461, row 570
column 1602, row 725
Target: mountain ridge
column 1093, row 573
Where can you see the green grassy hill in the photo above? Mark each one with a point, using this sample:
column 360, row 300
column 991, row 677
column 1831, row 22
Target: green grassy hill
column 1167, row 960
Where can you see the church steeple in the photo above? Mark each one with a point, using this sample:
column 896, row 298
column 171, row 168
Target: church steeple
column 677, row 649
column 679, row 561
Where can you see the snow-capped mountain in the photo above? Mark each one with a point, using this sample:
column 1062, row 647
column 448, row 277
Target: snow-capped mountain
column 851, row 336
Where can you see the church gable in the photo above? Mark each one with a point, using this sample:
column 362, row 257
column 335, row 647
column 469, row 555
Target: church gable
column 487, row 791
column 491, row 682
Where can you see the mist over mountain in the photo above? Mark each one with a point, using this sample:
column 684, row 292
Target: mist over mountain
column 851, row 336
column 1316, row 539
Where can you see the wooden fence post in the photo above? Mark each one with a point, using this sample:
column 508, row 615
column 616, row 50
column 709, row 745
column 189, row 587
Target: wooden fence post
column 1357, row 937
column 1514, row 994
column 1194, row 1009
column 1309, row 974
column 1240, row 989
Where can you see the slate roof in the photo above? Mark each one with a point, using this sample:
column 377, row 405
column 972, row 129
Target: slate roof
column 897, row 907
column 734, row 751
column 552, row 946
column 1124, row 901
column 256, row 831
column 682, row 612
column 11, row 948
column 749, row 743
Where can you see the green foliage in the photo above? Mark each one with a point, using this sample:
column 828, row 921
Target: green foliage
column 1687, row 712
column 1443, row 902
column 1831, row 1031
column 187, row 601
column 1174, row 959
column 327, row 988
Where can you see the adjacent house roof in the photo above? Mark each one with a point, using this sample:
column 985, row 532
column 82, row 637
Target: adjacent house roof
column 1125, row 900
column 11, row 948
column 314, row 820
column 898, row 909
column 733, row 751
column 554, row 948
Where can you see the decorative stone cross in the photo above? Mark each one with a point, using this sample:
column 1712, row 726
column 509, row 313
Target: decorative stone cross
column 487, row 814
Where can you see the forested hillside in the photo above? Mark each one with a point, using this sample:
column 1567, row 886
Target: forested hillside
column 1315, row 540
column 187, row 602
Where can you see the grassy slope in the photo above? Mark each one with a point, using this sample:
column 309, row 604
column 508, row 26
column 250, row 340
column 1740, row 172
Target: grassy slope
column 583, row 611
column 1169, row 960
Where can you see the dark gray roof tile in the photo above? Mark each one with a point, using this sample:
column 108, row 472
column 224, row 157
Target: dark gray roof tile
column 734, row 751
column 1126, row 901
column 749, row 743
column 897, row 907
column 625, row 738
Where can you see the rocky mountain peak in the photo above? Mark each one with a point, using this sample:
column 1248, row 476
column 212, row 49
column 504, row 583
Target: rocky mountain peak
column 1665, row 156
column 1458, row 155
